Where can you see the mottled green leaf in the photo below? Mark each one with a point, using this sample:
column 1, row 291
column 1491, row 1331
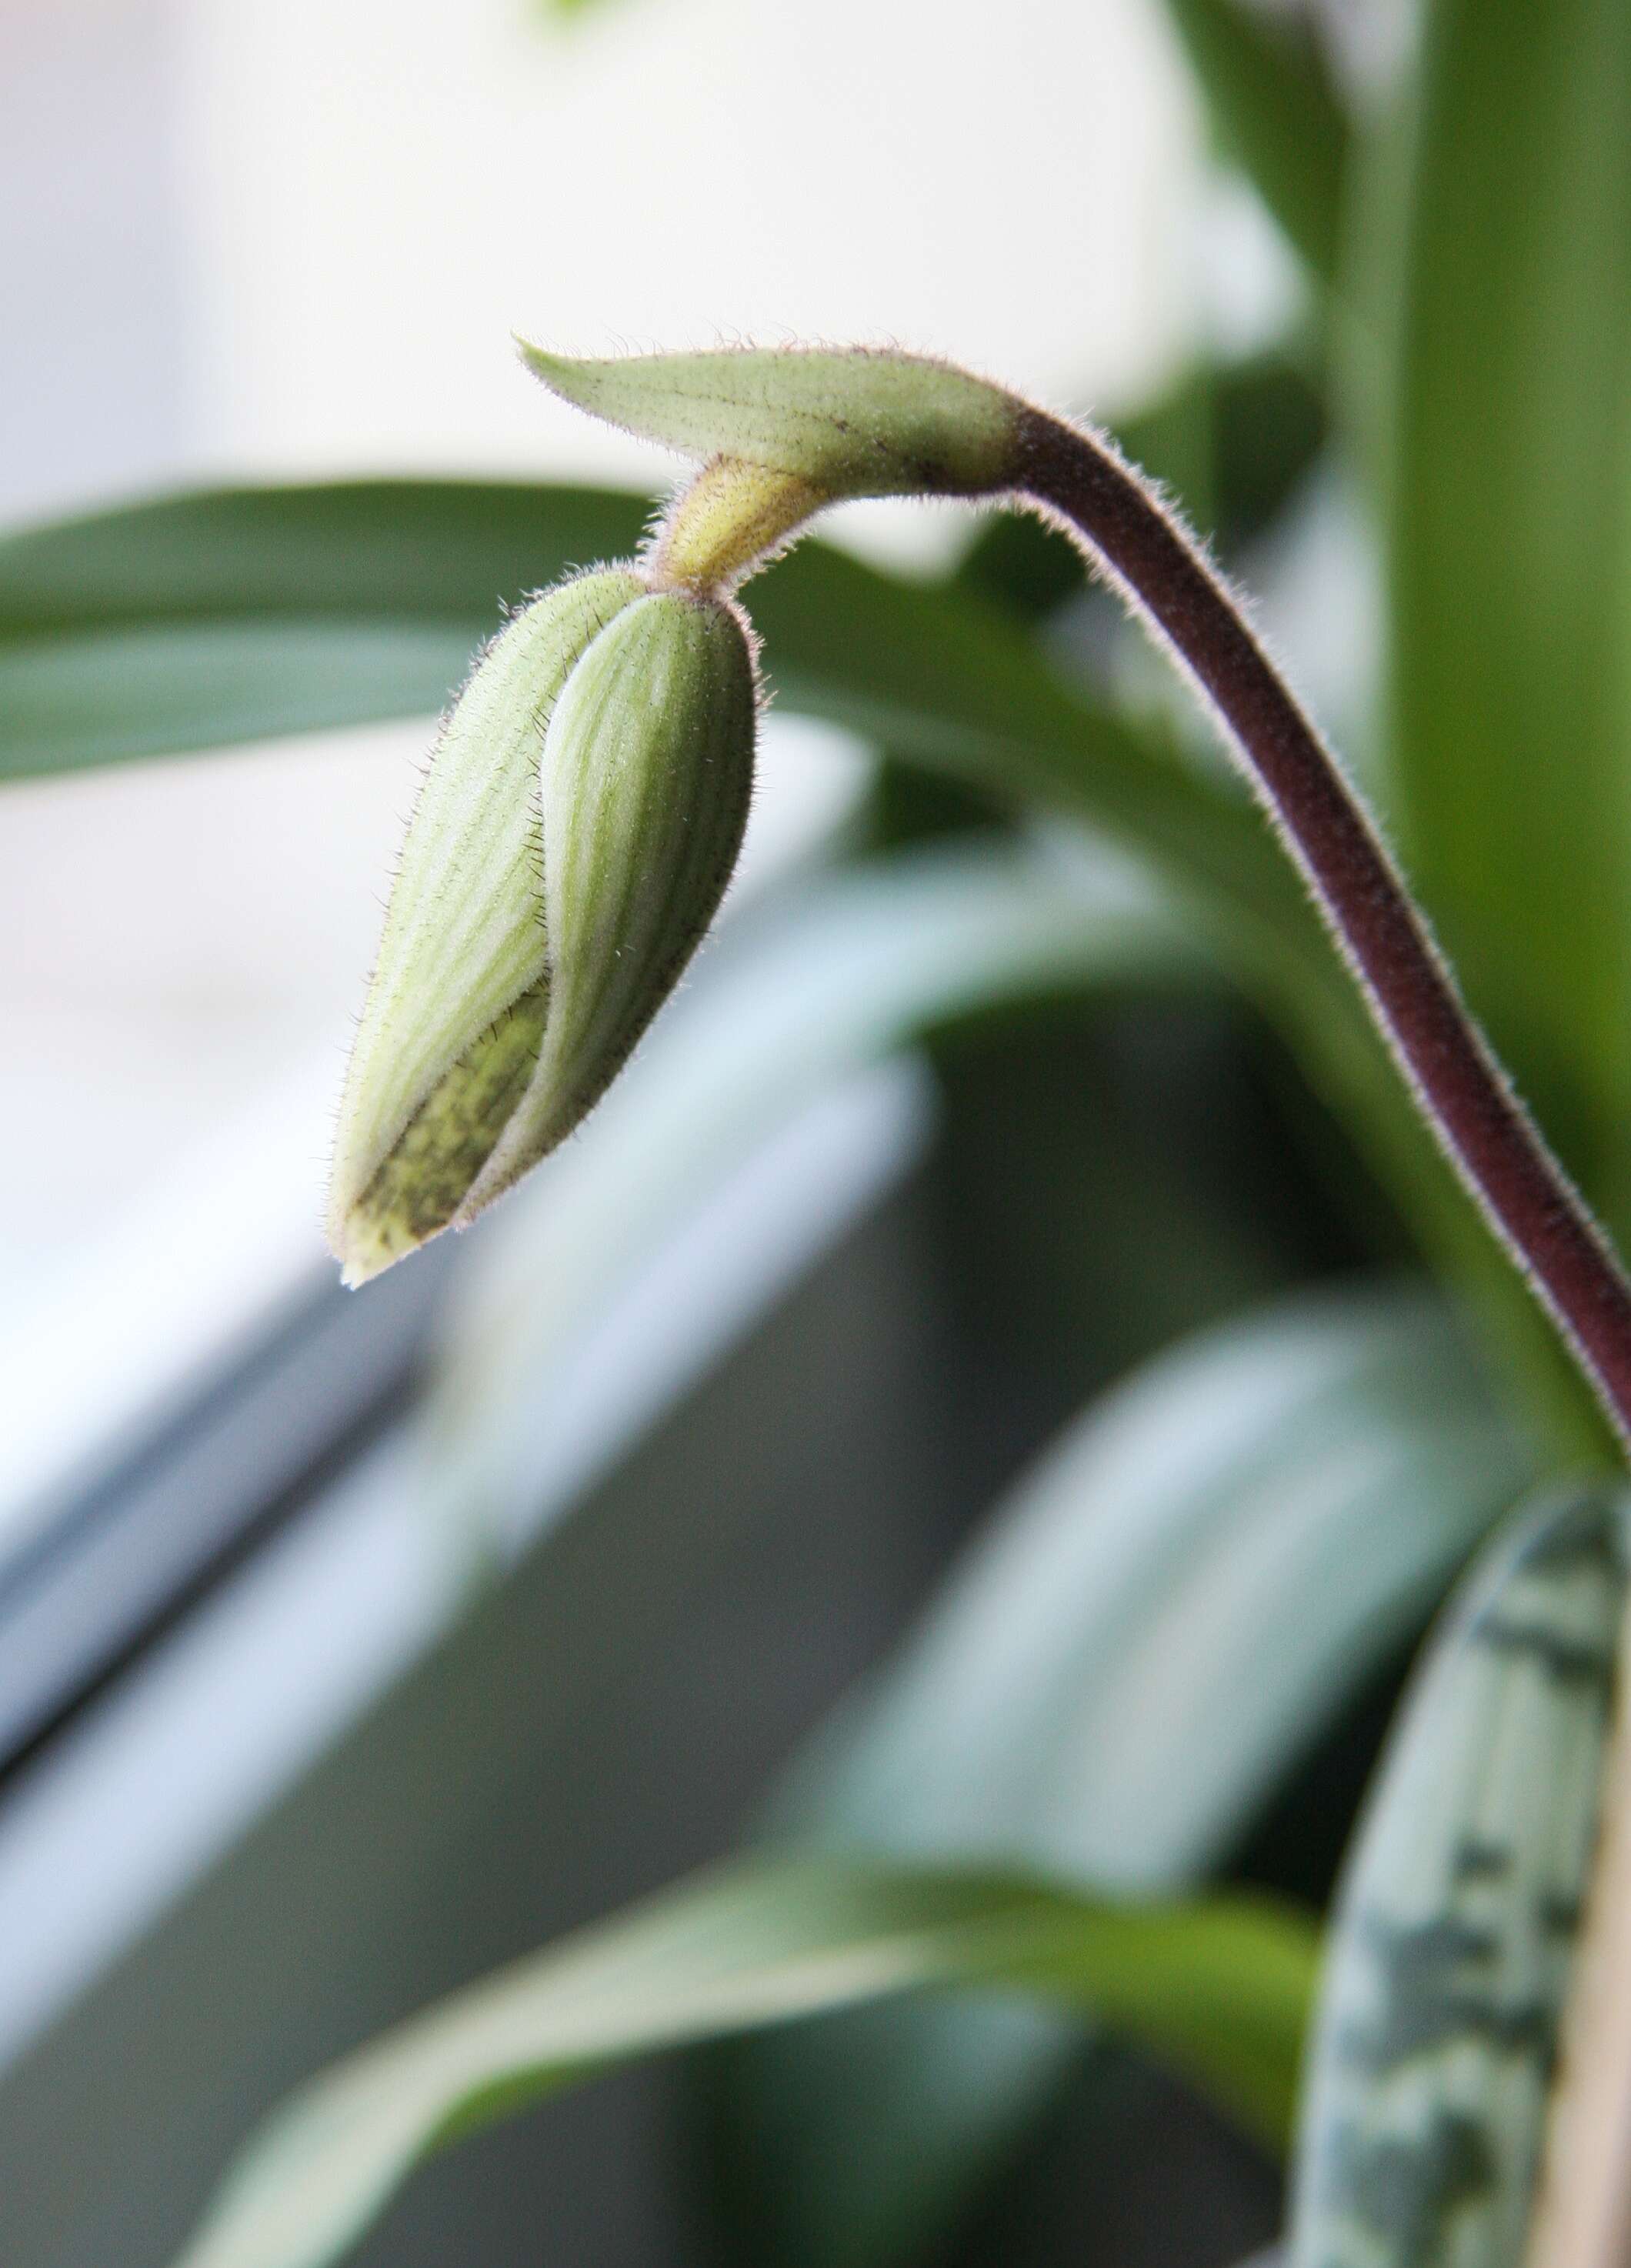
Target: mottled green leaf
column 1149, row 1633
column 1453, row 1949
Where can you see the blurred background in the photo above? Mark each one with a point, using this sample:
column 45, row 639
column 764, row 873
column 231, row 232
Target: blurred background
column 317, row 1701
column 290, row 242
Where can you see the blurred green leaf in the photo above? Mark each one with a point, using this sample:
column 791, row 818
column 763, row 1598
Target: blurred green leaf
column 1157, row 1625
column 240, row 614
column 349, row 551
column 1511, row 544
column 932, row 674
column 1270, row 420
column 1219, row 1989
column 236, row 615
column 792, row 998
column 1273, row 104
column 1254, row 1519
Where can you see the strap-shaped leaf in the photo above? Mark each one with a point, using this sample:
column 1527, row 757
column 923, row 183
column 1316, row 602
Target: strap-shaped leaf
column 1219, row 1989
column 1272, row 100
column 1176, row 1596
column 238, row 614
column 1141, row 1642
column 351, row 551
column 1510, row 589
column 198, row 621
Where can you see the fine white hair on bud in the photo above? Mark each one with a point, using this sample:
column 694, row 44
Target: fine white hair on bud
column 728, row 523
column 852, row 421
column 581, row 817
column 647, row 776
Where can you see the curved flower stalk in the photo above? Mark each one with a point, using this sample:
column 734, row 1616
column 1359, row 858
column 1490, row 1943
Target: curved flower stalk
column 505, row 1000
column 782, row 432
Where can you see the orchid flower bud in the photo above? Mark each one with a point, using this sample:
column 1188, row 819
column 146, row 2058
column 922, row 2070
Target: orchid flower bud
column 581, row 817
column 586, row 800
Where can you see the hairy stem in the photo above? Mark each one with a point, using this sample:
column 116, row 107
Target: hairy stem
column 1078, row 481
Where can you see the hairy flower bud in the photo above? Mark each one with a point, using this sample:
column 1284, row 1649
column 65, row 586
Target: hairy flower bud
column 850, row 421
column 581, row 817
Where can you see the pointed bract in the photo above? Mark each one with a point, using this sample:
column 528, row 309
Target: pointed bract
column 855, row 421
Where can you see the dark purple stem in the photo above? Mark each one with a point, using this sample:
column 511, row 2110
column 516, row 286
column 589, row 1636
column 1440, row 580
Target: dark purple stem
column 1079, row 481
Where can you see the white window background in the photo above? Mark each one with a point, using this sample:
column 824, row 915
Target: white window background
column 289, row 239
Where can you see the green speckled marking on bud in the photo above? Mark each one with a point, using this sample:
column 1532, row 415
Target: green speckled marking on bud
column 647, row 774
column 462, row 965
column 426, row 1177
column 856, row 422
column 1430, row 2074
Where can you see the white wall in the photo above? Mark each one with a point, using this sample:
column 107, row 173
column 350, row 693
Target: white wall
column 385, row 188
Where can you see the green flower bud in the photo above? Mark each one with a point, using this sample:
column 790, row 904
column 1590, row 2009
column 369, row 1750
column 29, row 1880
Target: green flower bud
column 582, row 815
column 851, row 421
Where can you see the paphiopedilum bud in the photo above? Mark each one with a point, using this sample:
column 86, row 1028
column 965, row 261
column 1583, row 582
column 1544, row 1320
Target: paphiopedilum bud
column 581, row 817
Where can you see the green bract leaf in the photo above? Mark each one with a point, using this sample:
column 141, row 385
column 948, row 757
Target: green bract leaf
column 1219, row 1989
column 1431, row 2077
column 858, row 421
column 1149, row 1634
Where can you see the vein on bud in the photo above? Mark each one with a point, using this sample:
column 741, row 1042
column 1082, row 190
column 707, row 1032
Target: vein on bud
column 581, row 817
column 647, row 776
column 463, row 963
